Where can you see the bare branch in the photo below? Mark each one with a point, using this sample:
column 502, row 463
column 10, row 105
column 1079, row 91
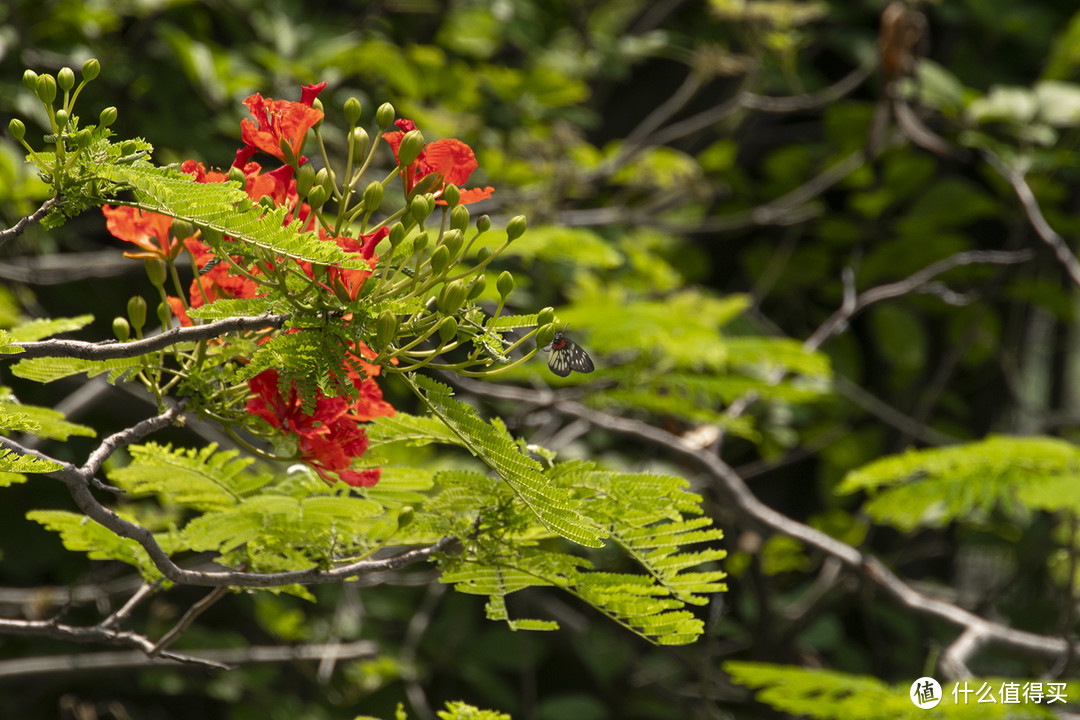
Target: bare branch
column 189, row 617
column 217, row 658
column 809, row 101
column 96, row 634
column 912, row 283
column 17, row 229
column 1020, row 186
column 144, row 591
column 109, row 349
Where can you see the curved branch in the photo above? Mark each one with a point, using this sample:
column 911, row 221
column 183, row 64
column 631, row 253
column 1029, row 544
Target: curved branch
column 111, row 350
column 17, row 229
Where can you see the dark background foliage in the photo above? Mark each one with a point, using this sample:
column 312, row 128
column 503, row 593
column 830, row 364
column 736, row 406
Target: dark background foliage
column 550, row 94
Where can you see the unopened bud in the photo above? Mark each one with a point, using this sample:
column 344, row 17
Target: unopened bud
column 359, row 139
column 426, row 184
column 420, row 208
column 405, row 517
column 121, row 329
column 505, row 284
column 90, row 69
column 181, row 229
column 440, row 259
column 483, row 223
column 29, row 80
column 410, row 147
column 478, row 287
column 386, row 327
column 65, row 79
column 164, row 313
column 352, row 111
column 61, row 119
column 484, row 253
column 45, row 89
column 459, row 218
column 452, row 241
column 236, row 175
column 545, row 316
column 107, row 116
column 447, row 329
column 451, row 195
column 545, row 335
column 452, row 297
column 287, row 152
column 384, row 116
column 305, row 178
column 17, row 128
column 397, row 234
column 420, row 242
column 373, row 196
column 515, row 228
column 156, row 271
column 317, row 197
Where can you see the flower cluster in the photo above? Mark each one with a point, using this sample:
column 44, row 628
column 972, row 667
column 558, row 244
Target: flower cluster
column 331, row 437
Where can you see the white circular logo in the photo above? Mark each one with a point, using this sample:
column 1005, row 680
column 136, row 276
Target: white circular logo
column 925, row 693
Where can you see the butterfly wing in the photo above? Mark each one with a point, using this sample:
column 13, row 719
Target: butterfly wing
column 567, row 355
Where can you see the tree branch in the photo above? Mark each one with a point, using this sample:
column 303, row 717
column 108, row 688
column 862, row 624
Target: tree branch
column 110, row 349
column 17, row 229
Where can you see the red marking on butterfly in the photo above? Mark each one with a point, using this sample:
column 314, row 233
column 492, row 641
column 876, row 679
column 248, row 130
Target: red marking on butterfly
column 567, row 355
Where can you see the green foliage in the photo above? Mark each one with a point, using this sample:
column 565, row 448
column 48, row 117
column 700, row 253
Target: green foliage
column 831, row 695
column 930, row 488
column 80, row 534
column 39, row 421
column 12, row 462
column 50, row 369
column 47, row 327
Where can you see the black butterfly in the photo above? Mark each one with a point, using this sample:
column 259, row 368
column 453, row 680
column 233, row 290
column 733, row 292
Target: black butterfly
column 567, row 355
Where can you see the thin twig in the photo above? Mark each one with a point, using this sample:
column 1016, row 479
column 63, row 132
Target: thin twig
column 189, row 617
column 809, row 101
column 17, row 229
column 109, row 350
column 1020, row 186
column 144, row 591
column 912, row 283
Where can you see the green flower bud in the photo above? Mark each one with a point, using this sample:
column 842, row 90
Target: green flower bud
column 447, row 329
column 341, row 292
column 386, row 327
column 236, row 175
column 440, row 259
column 65, row 79
column 352, row 111
column 452, row 297
column 45, row 89
column 483, row 223
column 505, row 284
column 136, row 308
column 129, row 148
column 545, row 316
column 459, row 218
column 451, row 195
column 384, row 116
column 359, row 139
column 425, row 185
column 405, row 516
column 121, row 329
column 373, row 196
column 305, row 178
column 452, row 241
column 397, row 234
column 61, row 119
column 478, row 287
column 545, row 335
column 420, row 242
column 317, row 104
column 287, row 151
column 181, row 229
column 90, row 69
column 420, row 208
column 29, row 80
column 322, row 177
column 107, row 117
column 17, row 128
column 317, row 196
column 156, row 271
column 484, row 253
column 410, row 147
column 164, row 313
column 515, row 228
column 267, row 202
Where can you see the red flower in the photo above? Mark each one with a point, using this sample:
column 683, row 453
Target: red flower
column 148, row 230
column 329, row 439
column 450, row 158
column 276, row 120
column 364, row 246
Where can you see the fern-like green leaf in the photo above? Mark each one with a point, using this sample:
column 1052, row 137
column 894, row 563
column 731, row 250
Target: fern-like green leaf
column 832, row 695
column 203, row 479
column 81, row 534
column 933, row 487
column 47, row 327
column 232, row 307
column 39, row 421
column 555, row 507
column 13, row 462
column 6, row 344
column 48, row 369
column 227, row 209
